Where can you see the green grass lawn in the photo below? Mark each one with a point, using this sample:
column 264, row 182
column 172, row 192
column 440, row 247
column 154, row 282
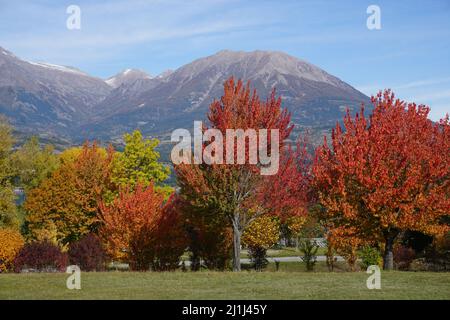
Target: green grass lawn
column 287, row 284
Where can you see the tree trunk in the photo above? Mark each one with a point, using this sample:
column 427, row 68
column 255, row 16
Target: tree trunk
column 388, row 259
column 236, row 249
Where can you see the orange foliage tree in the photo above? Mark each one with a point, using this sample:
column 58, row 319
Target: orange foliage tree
column 11, row 241
column 138, row 228
column 386, row 174
column 67, row 202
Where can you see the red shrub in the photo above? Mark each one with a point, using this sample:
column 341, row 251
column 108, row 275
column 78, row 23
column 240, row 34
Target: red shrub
column 88, row 253
column 170, row 238
column 40, row 256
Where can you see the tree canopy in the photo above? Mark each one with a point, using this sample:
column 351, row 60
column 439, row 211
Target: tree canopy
column 385, row 174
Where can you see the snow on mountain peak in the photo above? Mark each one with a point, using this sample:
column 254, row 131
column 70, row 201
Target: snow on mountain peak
column 6, row 52
column 127, row 76
column 57, row 67
column 165, row 74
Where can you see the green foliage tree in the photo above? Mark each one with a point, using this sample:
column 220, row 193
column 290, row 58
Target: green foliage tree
column 34, row 164
column 138, row 164
column 8, row 210
column 309, row 249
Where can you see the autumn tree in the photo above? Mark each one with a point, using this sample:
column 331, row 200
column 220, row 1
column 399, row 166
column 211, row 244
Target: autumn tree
column 11, row 241
column 34, row 164
column 139, row 164
column 288, row 193
column 209, row 234
column 67, row 202
column 261, row 234
column 8, row 211
column 386, row 174
column 137, row 229
column 233, row 191
column 71, row 154
column 170, row 239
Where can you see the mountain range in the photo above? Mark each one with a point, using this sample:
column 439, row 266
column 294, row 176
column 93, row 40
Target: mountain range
column 59, row 102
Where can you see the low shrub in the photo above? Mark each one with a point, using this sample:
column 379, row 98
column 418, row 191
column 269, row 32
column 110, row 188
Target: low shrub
column 259, row 236
column 309, row 249
column 11, row 242
column 88, row 253
column 370, row 256
column 403, row 256
column 258, row 257
column 40, row 256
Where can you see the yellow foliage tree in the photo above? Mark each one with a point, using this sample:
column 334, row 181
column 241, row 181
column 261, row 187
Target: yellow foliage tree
column 295, row 224
column 261, row 234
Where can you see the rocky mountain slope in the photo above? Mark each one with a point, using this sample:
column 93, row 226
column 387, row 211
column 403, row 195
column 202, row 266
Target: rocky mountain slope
column 42, row 98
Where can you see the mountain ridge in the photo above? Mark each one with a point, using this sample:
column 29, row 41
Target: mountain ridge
column 46, row 99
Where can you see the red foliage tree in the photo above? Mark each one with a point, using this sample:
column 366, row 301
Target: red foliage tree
column 139, row 229
column 387, row 173
column 170, row 239
column 236, row 194
column 288, row 193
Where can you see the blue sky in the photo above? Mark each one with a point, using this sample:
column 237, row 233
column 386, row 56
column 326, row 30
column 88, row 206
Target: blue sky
column 410, row 54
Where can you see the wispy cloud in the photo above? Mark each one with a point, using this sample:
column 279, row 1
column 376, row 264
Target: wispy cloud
column 432, row 96
column 408, row 85
column 432, row 92
column 111, row 25
column 423, row 83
